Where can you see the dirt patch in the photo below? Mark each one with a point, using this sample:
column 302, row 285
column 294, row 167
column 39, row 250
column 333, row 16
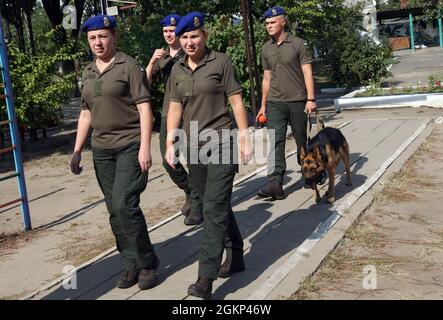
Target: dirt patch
column 400, row 238
column 92, row 245
column 12, row 241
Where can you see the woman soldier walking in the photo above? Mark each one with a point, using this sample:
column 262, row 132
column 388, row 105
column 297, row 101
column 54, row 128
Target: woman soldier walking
column 116, row 104
column 160, row 67
column 201, row 84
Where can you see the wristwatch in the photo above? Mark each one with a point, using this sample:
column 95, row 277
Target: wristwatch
column 312, row 100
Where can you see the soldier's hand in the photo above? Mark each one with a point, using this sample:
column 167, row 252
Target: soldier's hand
column 246, row 149
column 144, row 159
column 261, row 111
column 158, row 54
column 246, row 153
column 75, row 163
column 310, row 107
column 170, row 156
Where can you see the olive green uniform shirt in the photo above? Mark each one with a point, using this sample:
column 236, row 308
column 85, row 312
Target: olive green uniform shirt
column 203, row 92
column 112, row 96
column 285, row 61
column 162, row 70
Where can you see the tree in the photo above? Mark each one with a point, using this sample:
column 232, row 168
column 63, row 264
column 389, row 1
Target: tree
column 12, row 10
column 39, row 90
column 211, row 7
column 54, row 10
column 28, row 8
column 433, row 8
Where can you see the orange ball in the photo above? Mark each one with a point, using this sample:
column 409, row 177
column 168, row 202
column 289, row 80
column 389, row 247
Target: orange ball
column 262, row 119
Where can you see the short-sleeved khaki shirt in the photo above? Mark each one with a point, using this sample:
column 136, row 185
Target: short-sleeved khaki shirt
column 162, row 70
column 112, row 96
column 203, row 92
column 285, row 61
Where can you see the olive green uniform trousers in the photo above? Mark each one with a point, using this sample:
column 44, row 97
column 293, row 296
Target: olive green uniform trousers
column 280, row 114
column 121, row 180
column 213, row 182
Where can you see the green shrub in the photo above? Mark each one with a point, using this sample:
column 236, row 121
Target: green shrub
column 39, row 90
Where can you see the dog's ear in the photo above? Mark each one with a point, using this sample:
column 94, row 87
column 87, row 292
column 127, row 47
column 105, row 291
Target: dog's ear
column 302, row 152
column 317, row 153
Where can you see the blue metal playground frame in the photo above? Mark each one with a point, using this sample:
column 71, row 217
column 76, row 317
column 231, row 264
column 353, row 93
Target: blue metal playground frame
column 15, row 140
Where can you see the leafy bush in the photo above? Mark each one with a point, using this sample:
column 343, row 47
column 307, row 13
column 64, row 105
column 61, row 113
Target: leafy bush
column 39, row 90
column 355, row 59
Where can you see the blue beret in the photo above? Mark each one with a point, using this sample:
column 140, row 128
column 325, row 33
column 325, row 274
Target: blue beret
column 99, row 22
column 273, row 12
column 171, row 20
column 189, row 22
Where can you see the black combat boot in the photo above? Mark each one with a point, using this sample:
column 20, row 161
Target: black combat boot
column 230, row 266
column 202, row 288
column 148, row 276
column 128, row 279
column 194, row 218
column 186, row 209
column 273, row 189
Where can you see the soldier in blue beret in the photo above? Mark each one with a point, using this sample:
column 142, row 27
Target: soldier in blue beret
column 274, row 12
column 201, row 84
column 159, row 68
column 99, row 22
column 191, row 21
column 170, row 20
column 288, row 93
column 116, row 103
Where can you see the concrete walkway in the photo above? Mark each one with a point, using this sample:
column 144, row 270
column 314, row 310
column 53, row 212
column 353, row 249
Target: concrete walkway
column 277, row 235
column 414, row 68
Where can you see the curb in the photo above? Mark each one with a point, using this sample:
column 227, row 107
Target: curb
column 348, row 101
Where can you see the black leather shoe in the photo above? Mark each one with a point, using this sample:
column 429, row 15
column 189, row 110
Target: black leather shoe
column 272, row 190
column 148, row 276
column 229, row 267
column 202, row 288
column 194, row 218
column 128, row 279
column 186, row 209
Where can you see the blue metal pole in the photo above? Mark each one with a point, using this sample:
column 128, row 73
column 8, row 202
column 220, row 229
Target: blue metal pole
column 440, row 32
column 411, row 31
column 14, row 132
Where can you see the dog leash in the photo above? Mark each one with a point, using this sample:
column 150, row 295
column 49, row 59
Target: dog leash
column 320, row 126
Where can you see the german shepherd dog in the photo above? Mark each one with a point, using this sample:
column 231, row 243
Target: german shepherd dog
column 324, row 152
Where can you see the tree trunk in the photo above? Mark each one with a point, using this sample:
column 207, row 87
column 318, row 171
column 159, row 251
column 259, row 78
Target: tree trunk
column 20, row 35
column 54, row 12
column 31, row 32
column 96, row 11
column 8, row 30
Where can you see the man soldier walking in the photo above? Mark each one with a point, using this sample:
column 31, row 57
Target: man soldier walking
column 288, row 93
